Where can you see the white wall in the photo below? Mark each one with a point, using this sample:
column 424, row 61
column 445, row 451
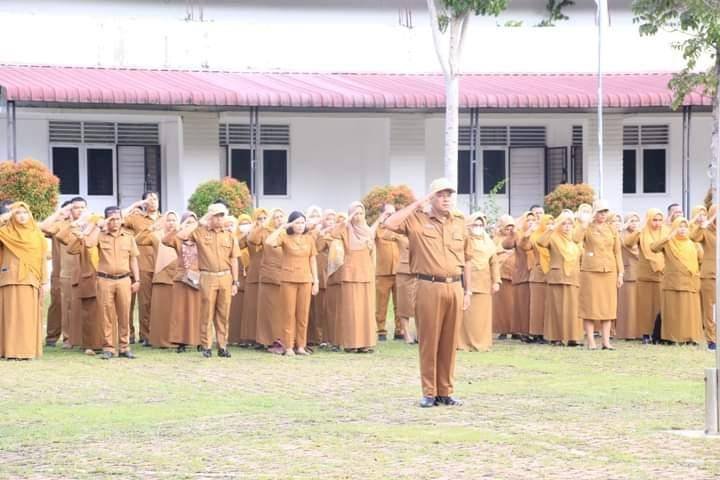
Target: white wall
column 700, row 156
column 198, row 153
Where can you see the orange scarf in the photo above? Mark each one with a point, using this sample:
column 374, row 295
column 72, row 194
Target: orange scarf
column 648, row 236
column 564, row 243
column 360, row 236
column 26, row 242
column 683, row 249
column 543, row 253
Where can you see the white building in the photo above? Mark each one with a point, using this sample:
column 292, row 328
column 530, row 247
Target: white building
column 137, row 96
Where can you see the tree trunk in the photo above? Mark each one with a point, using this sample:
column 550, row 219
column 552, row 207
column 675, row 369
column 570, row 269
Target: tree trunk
column 452, row 128
column 715, row 147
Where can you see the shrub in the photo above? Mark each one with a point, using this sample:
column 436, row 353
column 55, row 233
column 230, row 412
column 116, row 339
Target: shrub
column 568, row 196
column 375, row 200
column 30, row 181
column 233, row 192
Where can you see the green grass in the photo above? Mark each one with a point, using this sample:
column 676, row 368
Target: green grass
column 530, row 412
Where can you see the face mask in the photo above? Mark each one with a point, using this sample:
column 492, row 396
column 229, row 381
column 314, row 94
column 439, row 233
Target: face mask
column 245, row 228
column 477, row 231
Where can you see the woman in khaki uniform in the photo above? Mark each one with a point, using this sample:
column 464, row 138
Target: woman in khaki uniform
column 562, row 319
column 244, row 224
column 601, row 273
column 269, row 322
column 322, row 246
column 406, row 286
column 356, row 308
column 163, row 280
column 650, row 268
column 313, row 216
column 704, row 232
column 299, row 280
column 253, row 241
column 681, row 317
column 185, row 311
column 336, row 253
column 541, row 256
column 503, row 300
column 626, row 326
column 22, row 273
column 475, row 332
column 524, row 261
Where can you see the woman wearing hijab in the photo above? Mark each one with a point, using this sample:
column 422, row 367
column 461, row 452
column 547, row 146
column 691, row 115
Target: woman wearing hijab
column 269, row 323
column 626, row 326
column 322, row 247
column 253, row 241
column 562, row 304
column 524, row 261
column 299, row 280
column 601, row 273
column 681, row 317
column 244, row 224
column 704, row 232
column 163, row 279
column 22, row 274
column 650, row 268
column 503, row 299
column 356, row 308
column 541, row 267
column 185, row 309
column 314, row 216
column 475, row 332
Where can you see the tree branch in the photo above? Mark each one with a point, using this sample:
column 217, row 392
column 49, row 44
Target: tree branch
column 438, row 38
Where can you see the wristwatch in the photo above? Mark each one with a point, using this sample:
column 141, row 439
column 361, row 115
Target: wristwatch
column 236, row 283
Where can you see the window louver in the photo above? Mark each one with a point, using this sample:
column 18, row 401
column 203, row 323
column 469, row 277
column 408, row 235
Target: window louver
column 631, row 135
column 105, row 133
column 577, row 135
column 98, row 132
column 239, row 134
column 65, row 132
column 655, row 134
column 527, row 136
column 487, row 136
column 138, row 134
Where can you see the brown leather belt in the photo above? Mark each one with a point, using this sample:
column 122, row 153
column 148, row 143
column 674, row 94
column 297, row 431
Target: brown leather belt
column 112, row 277
column 438, row 278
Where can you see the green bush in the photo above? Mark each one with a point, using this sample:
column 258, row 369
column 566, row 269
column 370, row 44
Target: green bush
column 375, row 200
column 233, row 192
column 568, row 196
column 30, row 181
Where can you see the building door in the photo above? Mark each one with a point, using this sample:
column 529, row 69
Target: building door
column 527, row 178
column 138, row 171
column 556, row 167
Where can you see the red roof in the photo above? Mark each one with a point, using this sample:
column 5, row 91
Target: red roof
column 71, row 85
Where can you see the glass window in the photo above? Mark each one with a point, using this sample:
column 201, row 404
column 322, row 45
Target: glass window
column 275, row 172
column 463, row 172
column 629, row 171
column 100, row 175
column 654, row 170
column 240, row 165
column 493, row 170
column 66, row 166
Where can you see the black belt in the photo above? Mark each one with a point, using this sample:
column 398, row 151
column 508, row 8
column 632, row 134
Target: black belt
column 439, row 279
column 112, row 277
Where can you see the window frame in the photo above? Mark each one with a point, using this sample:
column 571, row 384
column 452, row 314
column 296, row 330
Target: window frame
column 228, row 160
column 83, row 168
column 480, row 168
column 640, row 169
column 261, row 170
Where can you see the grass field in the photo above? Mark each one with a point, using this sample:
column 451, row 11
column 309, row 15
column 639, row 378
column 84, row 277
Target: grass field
column 530, row 412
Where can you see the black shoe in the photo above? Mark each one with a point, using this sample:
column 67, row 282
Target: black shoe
column 132, row 340
column 398, row 336
column 146, row 343
column 382, row 337
column 50, row 344
column 448, row 401
column 515, row 337
column 502, row 336
column 427, row 402
column 206, row 352
column 711, row 346
column 646, row 340
column 199, row 348
column 573, row 343
column 105, row 356
column 129, row 355
column 181, row 349
column 223, row 352
column 540, row 340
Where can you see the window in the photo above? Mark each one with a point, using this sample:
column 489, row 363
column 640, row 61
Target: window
column 240, row 165
column 493, row 170
column 463, row 172
column 275, row 171
column 654, row 170
column 629, row 171
column 100, row 178
column 66, row 166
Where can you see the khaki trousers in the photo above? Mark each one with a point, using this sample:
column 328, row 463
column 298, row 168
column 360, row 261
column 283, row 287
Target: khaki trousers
column 438, row 313
column 296, row 312
column 113, row 297
column 385, row 285
column 144, row 297
column 54, row 314
column 66, row 308
column 707, row 299
column 215, row 296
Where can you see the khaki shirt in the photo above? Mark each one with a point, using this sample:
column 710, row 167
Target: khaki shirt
column 437, row 246
column 707, row 238
column 84, row 280
column 254, row 242
column 139, row 224
column 404, row 248
column 601, row 248
column 298, row 251
column 322, row 246
column 387, row 252
column 643, row 270
column 115, row 251
column 217, row 249
column 522, row 246
column 557, row 275
column 358, row 266
column 485, row 266
column 676, row 276
column 65, row 263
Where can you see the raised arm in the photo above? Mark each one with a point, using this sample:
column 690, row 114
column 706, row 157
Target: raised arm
column 187, row 228
column 395, row 221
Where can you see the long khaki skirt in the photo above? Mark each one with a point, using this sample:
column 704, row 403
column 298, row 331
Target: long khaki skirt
column 236, row 319
column 681, row 318
column 315, row 321
column 537, row 308
column 626, row 326
column 160, row 314
column 20, row 322
column 475, row 333
column 562, row 319
column 521, row 309
column 93, row 335
column 649, row 303
column 270, row 321
column 332, row 302
column 406, row 286
column 503, row 308
column 185, row 316
column 598, row 295
column 248, row 325
column 707, row 299
column 356, row 314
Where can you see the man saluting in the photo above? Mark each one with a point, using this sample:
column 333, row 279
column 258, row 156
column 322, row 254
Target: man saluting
column 440, row 254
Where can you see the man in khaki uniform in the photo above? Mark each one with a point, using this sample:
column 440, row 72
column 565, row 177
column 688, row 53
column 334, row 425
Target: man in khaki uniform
column 217, row 258
column 386, row 266
column 67, row 266
column 440, row 254
column 54, row 314
column 117, row 277
column 139, row 218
